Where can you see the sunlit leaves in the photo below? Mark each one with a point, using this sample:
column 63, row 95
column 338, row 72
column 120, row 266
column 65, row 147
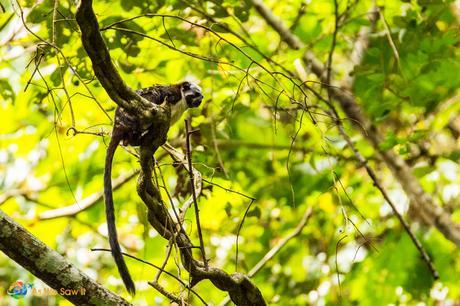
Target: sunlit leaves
column 127, row 37
column 252, row 141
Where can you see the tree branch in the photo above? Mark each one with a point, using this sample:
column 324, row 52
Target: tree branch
column 428, row 211
column 103, row 67
column 240, row 288
column 279, row 245
column 48, row 265
column 361, row 44
column 89, row 201
column 178, row 157
column 192, row 188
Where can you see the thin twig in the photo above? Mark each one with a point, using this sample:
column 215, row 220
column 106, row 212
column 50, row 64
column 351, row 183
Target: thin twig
column 156, row 267
column 58, row 50
column 238, row 233
column 216, row 149
column 363, row 162
column 337, row 264
column 165, row 261
column 167, row 294
column 352, row 110
column 89, row 201
column 229, row 190
column 425, row 257
column 390, row 39
column 192, row 188
column 181, row 159
column 276, row 249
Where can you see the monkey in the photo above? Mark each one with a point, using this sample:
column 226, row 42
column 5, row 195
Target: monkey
column 127, row 130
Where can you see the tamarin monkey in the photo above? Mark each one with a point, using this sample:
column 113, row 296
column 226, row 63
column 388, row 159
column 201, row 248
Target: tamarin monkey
column 128, row 131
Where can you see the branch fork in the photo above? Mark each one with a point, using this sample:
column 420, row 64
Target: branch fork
column 241, row 289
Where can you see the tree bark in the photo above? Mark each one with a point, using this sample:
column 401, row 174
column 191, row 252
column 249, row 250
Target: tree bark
column 241, row 289
column 53, row 269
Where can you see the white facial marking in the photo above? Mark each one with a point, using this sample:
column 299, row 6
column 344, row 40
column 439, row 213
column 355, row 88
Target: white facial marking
column 180, row 107
column 193, row 95
column 177, row 110
column 194, row 88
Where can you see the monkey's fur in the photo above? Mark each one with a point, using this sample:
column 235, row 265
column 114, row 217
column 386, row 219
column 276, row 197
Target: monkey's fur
column 128, row 130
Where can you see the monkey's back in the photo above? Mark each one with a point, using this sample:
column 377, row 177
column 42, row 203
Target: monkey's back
column 127, row 126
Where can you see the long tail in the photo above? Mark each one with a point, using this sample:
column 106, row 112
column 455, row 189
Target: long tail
column 110, row 215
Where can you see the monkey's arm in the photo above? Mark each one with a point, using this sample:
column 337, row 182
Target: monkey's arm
column 110, row 215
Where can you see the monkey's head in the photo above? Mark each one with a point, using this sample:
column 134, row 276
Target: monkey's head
column 191, row 93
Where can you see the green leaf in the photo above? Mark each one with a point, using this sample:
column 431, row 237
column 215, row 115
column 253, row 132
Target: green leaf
column 255, row 212
column 185, row 37
column 389, row 142
column 6, row 91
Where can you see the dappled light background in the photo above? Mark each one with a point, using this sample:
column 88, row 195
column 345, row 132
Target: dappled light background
column 272, row 145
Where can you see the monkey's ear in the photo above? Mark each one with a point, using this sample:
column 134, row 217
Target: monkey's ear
column 186, row 85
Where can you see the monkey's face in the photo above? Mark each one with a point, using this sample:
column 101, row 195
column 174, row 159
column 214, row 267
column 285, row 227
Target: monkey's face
column 192, row 94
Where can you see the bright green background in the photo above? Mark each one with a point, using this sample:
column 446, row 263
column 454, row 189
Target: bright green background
column 281, row 158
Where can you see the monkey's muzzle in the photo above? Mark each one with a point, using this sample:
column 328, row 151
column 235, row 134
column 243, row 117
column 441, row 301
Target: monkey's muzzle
column 194, row 100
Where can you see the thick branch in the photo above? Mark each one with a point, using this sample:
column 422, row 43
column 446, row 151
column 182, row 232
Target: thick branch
column 240, row 288
column 292, row 40
column 103, row 67
column 428, row 211
column 361, row 44
column 48, row 265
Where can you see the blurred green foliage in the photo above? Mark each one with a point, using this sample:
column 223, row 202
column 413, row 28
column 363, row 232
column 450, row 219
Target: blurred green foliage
column 252, row 139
